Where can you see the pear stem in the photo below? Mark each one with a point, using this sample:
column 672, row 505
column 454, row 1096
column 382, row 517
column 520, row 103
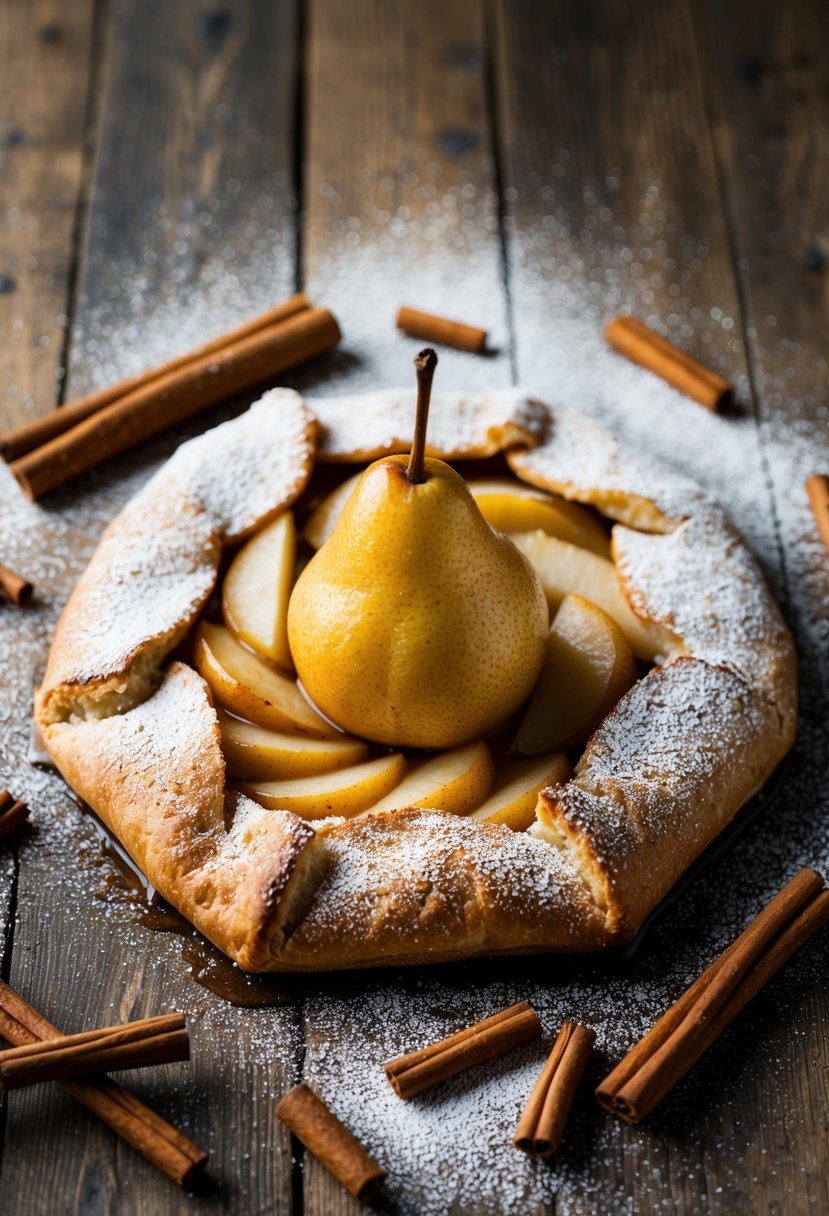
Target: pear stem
column 425, row 365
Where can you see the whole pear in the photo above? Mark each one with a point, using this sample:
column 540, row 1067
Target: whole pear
column 416, row 624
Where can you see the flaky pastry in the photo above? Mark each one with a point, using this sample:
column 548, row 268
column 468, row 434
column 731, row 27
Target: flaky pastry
column 137, row 736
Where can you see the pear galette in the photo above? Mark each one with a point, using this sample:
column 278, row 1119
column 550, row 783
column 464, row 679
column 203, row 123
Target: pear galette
column 668, row 678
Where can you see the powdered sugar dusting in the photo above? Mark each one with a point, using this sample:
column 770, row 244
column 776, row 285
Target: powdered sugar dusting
column 369, row 425
column 702, row 582
column 452, row 1148
column 244, row 470
column 157, row 562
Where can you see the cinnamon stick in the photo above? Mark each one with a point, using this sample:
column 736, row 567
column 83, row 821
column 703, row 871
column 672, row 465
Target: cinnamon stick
column 418, row 1070
column 13, row 814
column 817, row 487
column 432, row 328
column 330, row 1141
column 639, row 343
column 161, row 1143
column 13, row 588
column 542, row 1124
column 141, row 1044
column 654, row 1065
column 175, row 396
column 33, row 434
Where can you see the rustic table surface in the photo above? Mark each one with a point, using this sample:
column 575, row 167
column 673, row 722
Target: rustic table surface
column 169, row 169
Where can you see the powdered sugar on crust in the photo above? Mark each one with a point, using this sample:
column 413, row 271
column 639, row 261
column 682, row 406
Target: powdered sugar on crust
column 703, row 583
column 152, row 572
column 156, row 775
column 245, row 470
column 412, row 883
column 578, row 459
column 157, row 561
column 665, row 770
column 367, row 426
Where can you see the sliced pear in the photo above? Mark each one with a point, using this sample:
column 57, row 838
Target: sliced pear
column 253, row 752
column 323, row 520
column 566, row 569
column 588, row 667
column 512, row 506
column 257, row 588
column 248, row 687
column 514, row 798
column 457, row 780
column 346, row 792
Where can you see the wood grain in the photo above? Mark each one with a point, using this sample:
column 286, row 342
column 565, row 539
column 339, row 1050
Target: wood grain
column 400, row 190
column 197, row 121
column 767, row 87
column 45, row 57
column 697, row 132
column 610, row 147
column 401, row 205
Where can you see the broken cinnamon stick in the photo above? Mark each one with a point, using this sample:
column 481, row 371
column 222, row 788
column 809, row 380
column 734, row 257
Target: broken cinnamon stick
column 639, row 343
column 653, row 1067
column 330, row 1141
column 432, row 328
column 542, row 1124
column 33, row 434
column 817, row 487
column 14, row 588
column 140, row 1044
column 161, row 1143
column 418, row 1070
column 13, row 814
column 174, row 397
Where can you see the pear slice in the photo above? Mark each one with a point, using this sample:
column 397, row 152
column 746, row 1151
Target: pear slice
column 253, row 752
column 512, row 506
column 257, row 588
column 248, row 687
column 514, row 798
column 457, row 780
column 345, row 793
column 566, row 569
column 509, row 506
column 588, row 667
column 323, row 520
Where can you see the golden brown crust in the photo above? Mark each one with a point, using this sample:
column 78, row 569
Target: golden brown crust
column 662, row 775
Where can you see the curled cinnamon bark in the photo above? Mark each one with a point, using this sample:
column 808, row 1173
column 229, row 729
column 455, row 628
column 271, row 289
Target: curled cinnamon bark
column 13, row 814
column 411, row 1074
column 141, row 1044
column 653, row 1067
column 175, row 396
column 13, row 588
column 162, row 1144
column 330, row 1141
column 640, row 344
column 542, row 1124
column 33, row 434
column 430, row 328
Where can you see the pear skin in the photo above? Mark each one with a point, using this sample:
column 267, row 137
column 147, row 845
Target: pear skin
column 416, row 624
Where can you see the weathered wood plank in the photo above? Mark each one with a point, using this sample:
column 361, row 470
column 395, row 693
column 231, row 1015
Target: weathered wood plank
column 401, row 205
column 191, row 228
column 400, row 192
column 45, row 59
column 767, row 86
column 45, row 54
column 614, row 205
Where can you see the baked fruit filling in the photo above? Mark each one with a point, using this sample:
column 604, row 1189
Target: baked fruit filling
column 446, row 644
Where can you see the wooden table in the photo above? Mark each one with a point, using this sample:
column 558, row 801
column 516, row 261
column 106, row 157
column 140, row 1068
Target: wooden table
column 483, row 157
